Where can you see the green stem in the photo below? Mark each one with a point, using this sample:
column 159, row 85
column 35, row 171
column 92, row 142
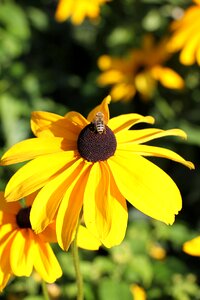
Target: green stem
column 45, row 291
column 79, row 279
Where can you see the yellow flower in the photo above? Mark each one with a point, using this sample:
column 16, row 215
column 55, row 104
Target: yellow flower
column 78, row 10
column 186, row 35
column 157, row 252
column 138, row 72
column 192, row 247
column 90, row 166
column 21, row 249
column 138, row 292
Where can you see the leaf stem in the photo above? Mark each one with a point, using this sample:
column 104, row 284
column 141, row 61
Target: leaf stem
column 44, row 290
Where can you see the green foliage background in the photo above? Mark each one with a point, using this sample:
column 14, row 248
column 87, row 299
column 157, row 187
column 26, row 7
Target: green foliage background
column 45, row 65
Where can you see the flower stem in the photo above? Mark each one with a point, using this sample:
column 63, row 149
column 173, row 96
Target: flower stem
column 45, row 291
column 79, row 279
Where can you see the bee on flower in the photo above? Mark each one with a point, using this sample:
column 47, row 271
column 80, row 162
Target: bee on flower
column 85, row 174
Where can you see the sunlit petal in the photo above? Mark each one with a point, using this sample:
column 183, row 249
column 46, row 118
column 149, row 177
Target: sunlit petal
column 35, row 174
column 48, row 199
column 146, row 186
column 103, row 107
column 144, row 135
column 87, row 240
column 97, row 213
column 70, row 208
column 45, row 262
column 156, row 151
column 41, row 120
column 35, row 147
column 77, row 119
column 124, row 122
column 43, row 126
column 118, row 212
column 21, row 254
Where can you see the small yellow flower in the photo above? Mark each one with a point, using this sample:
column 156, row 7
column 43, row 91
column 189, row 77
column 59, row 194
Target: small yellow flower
column 186, row 35
column 90, row 166
column 21, row 249
column 192, row 247
column 157, row 252
column 138, row 72
column 138, row 292
column 78, row 10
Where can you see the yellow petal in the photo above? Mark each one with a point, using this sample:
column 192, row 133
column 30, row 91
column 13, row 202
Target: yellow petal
column 4, row 278
column 45, row 262
column 118, row 212
column 168, row 77
column 7, row 210
column 77, row 119
column 35, row 147
column 49, row 233
column 87, row 240
column 188, row 54
column 146, row 186
column 41, row 120
column 103, row 107
column 192, row 247
column 43, row 126
column 138, row 292
column 124, row 122
column 123, row 91
column 96, row 210
column 156, row 151
column 145, row 84
column 36, row 174
column 63, row 10
column 48, row 199
column 70, row 208
column 110, row 77
column 104, row 206
column 21, row 260
column 144, row 135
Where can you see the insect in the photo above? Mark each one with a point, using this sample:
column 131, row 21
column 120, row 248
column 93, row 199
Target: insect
column 99, row 122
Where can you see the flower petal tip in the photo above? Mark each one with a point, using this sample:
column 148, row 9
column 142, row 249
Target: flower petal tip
column 190, row 165
column 108, row 99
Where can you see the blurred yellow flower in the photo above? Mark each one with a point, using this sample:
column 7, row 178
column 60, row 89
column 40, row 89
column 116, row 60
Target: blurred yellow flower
column 138, row 292
column 78, row 10
column 192, row 247
column 91, row 166
column 21, row 249
column 157, row 252
column 186, row 35
column 138, row 72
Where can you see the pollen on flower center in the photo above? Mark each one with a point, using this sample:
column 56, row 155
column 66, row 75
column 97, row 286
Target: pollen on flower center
column 23, row 218
column 94, row 146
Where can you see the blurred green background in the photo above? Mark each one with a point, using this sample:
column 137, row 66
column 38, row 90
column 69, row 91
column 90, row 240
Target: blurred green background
column 46, row 65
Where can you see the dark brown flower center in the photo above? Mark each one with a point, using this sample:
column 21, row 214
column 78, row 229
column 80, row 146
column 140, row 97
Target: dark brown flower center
column 94, row 145
column 23, row 217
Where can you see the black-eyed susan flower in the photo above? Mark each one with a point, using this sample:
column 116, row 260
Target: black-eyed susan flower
column 78, row 10
column 89, row 166
column 33, row 250
column 21, row 250
column 192, row 247
column 186, row 35
column 139, row 71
